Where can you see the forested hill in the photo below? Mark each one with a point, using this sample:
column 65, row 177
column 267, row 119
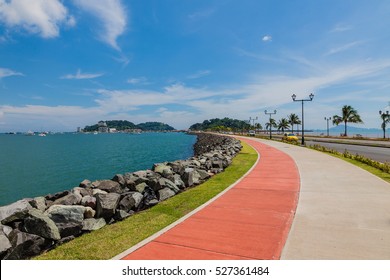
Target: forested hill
column 122, row 125
column 215, row 124
column 154, row 126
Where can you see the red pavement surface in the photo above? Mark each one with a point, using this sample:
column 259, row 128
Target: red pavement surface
column 250, row 221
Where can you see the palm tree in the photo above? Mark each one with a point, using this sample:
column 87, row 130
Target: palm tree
column 293, row 119
column 385, row 116
column 283, row 124
column 270, row 124
column 349, row 114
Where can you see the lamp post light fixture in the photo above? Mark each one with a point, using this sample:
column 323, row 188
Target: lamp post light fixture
column 327, row 125
column 384, row 115
column 270, row 124
column 311, row 96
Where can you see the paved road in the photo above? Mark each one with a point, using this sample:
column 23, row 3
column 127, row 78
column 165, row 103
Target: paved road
column 375, row 153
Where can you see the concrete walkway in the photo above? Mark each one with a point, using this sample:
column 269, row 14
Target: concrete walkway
column 343, row 213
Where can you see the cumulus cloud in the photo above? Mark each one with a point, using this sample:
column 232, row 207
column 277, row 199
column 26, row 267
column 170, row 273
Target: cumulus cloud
column 43, row 17
column 81, row 76
column 4, row 72
column 112, row 15
column 267, row 38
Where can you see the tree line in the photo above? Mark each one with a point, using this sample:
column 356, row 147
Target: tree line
column 348, row 115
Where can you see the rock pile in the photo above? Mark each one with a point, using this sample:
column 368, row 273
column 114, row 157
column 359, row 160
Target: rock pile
column 32, row 226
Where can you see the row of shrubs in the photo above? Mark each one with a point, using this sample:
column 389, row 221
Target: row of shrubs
column 385, row 167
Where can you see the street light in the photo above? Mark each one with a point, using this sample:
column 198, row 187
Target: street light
column 327, row 125
column 311, row 96
column 270, row 125
column 253, row 119
column 384, row 116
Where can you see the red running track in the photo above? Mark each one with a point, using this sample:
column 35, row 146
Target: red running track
column 250, row 221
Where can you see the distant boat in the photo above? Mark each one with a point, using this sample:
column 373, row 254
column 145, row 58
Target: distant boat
column 42, row 134
column 30, row 133
column 95, row 132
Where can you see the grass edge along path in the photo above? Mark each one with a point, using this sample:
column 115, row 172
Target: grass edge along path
column 373, row 170
column 113, row 239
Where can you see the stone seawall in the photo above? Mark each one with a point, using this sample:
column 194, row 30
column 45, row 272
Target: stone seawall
column 34, row 225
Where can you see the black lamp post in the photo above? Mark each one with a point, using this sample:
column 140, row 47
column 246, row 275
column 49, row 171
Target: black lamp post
column 327, row 125
column 253, row 119
column 311, row 96
column 270, row 124
column 384, row 115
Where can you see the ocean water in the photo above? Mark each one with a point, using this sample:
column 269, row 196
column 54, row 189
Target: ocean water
column 33, row 166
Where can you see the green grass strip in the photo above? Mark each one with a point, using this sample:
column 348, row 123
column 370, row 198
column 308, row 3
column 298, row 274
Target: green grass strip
column 112, row 240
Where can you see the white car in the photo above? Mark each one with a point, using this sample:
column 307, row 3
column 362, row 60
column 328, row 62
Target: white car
column 252, row 133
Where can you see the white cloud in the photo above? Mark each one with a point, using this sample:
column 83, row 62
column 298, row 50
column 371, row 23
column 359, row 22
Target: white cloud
column 81, row 76
column 343, row 47
column 341, row 28
column 267, row 38
column 42, row 17
column 139, row 80
column 199, row 74
column 4, row 72
column 112, row 15
column 181, row 106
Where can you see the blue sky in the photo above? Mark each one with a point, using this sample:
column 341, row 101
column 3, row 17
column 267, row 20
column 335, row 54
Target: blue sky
column 71, row 63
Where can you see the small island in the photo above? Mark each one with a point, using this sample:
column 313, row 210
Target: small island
column 126, row 126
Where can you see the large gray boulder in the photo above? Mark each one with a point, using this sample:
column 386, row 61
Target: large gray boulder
column 190, row 177
column 69, row 199
column 40, row 224
column 141, row 187
column 165, row 183
column 178, row 181
column 69, row 229
column 119, row 178
column 130, row 201
column 89, row 201
column 85, row 184
column 106, row 205
column 25, row 245
column 163, row 169
column 93, row 224
column 81, row 192
column 204, row 175
column 165, row 193
column 39, row 203
column 18, row 206
column 150, row 199
column 108, row 186
column 56, row 196
column 5, row 244
column 66, row 213
column 122, row 214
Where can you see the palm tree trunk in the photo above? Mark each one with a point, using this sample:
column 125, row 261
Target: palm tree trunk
column 345, row 130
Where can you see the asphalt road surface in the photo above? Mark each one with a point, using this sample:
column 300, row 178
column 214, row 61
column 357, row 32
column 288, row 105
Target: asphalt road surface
column 375, row 153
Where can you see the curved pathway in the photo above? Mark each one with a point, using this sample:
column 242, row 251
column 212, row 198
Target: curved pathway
column 249, row 221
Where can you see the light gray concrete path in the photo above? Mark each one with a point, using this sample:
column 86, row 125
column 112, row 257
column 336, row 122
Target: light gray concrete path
column 343, row 211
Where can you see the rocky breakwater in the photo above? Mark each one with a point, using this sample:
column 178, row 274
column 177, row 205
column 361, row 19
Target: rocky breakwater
column 32, row 226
